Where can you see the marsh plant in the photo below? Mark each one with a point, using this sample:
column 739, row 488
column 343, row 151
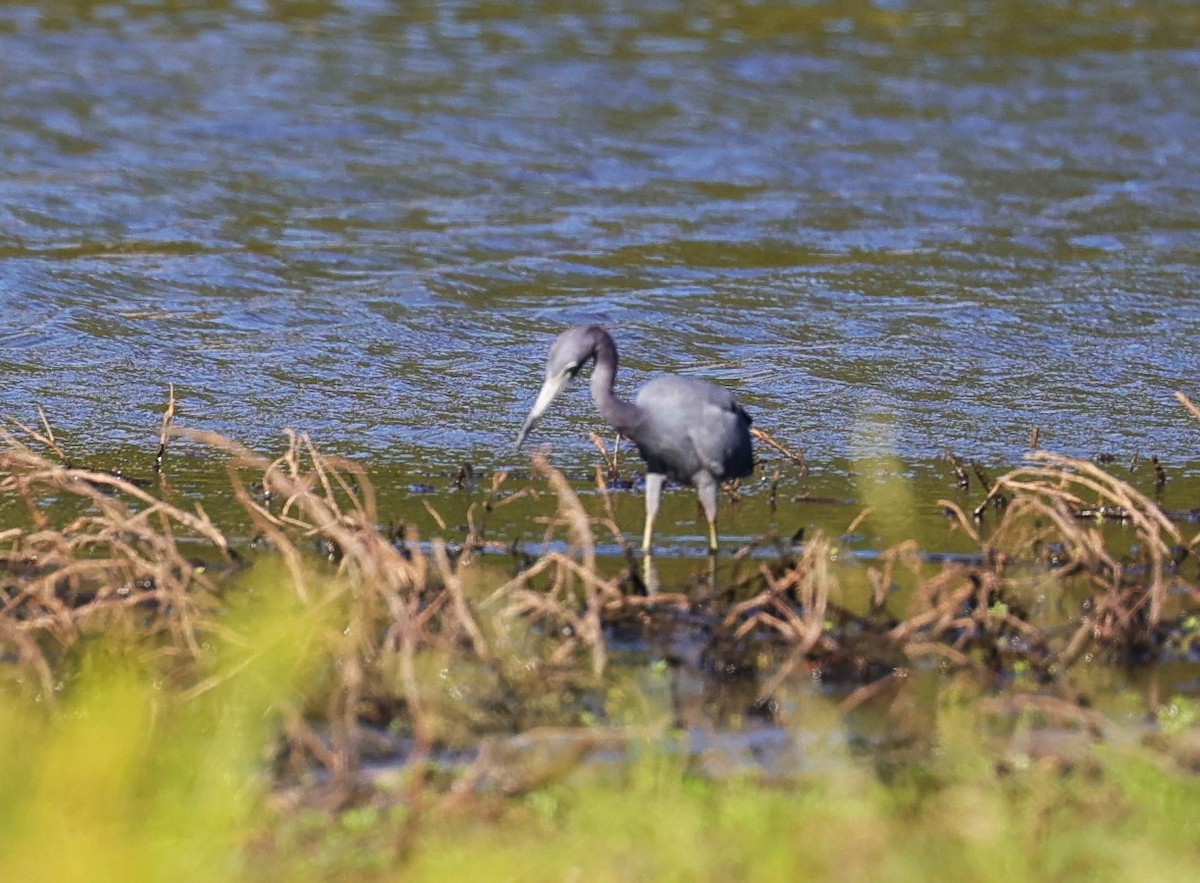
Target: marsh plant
column 319, row 695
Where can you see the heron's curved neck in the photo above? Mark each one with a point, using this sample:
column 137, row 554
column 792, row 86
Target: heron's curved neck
column 623, row 416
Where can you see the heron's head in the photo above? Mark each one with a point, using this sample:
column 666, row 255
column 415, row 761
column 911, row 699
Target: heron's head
column 569, row 352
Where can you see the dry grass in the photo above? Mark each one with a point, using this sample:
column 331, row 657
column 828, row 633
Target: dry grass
column 117, row 565
column 1064, row 501
column 422, row 656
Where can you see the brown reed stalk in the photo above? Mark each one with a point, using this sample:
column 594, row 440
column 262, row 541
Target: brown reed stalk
column 906, row 553
column 122, row 553
column 610, row 460
column 584, row 618
column 331, row 499
column 796, row 457
column 1052, row 489
column 793, row 605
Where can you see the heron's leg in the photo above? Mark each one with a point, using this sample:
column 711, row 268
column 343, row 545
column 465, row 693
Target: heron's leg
column 654, row 486
column 706, row 490
column 650, row 574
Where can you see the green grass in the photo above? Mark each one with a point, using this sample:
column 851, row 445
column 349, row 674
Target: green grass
column 132, row 779
column 1134, row 820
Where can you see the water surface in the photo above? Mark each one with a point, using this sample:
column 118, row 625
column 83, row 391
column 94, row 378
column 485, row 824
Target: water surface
column 900, row 226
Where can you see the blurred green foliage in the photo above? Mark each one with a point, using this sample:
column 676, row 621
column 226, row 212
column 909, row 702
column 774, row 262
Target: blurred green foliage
column 132, row 778
column 137, row 776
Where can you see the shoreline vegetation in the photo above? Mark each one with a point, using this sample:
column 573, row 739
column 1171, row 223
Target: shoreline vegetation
column 337, row 698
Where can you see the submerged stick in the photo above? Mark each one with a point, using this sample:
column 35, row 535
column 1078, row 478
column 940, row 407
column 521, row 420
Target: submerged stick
column 165, row 432
column 767, row 439
column 610, row 460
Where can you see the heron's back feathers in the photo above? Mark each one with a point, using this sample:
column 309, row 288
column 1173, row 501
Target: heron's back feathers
column 689, row 426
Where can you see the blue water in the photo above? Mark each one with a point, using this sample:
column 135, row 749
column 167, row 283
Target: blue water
column 900, row 227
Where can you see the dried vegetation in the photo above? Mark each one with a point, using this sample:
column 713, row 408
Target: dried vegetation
column 426, row 658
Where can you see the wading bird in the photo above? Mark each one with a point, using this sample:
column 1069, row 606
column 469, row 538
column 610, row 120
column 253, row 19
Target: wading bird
column 686, row 430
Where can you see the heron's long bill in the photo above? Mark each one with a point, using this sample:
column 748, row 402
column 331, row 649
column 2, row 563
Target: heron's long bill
column 551, row 388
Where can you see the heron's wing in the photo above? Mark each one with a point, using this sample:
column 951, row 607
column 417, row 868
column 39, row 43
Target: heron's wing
column 694, row 426
column 722, row 441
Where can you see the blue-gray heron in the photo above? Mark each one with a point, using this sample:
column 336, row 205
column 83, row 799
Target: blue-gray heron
column 686, row 430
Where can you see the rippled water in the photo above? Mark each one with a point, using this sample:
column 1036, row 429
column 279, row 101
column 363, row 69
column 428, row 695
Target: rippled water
column 928, row 225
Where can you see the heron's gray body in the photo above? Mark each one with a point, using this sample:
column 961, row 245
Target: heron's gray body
column 685, row 429
column 695, row 427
